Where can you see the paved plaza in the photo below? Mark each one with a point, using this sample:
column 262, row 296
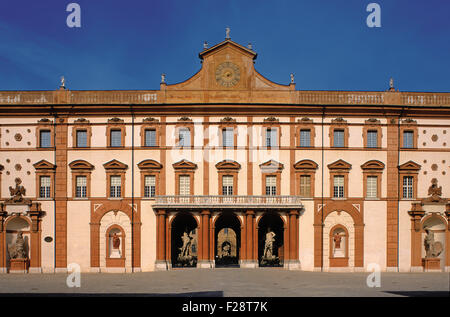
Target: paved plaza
column 228, row 282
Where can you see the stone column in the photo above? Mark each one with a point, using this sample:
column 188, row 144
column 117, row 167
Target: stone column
column 416, row 214
column 447, row 243
column 35, row 237
column 249, row 261
column 3, row 215
column 294, row 262
column 204, row 243
column 161, row 263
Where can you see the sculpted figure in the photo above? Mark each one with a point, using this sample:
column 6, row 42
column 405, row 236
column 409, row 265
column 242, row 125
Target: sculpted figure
column 337, row 240
column 116, row 241
column 18, row 192
column 185, row 249
column 434, row 191
column 268, row 246
column 18, row 250
column 433, row 249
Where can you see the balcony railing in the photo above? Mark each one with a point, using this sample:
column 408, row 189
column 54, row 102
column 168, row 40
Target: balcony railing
column 278, row 202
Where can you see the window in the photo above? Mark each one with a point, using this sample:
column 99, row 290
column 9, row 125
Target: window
column 45, row 138
column 116, row 187
column 372, row 190
column 408, row 186
column 271, row 185
column 81, row 189
column 116, row 138
column 227, row 185
column 81, row 138
column 44, row 191
column 271, row 137
column 305, row 138
column 185, row 137
column 372, row 139
column 150, row 137
column 150, row 186
column 228, row 137
column 338, row 186
column 408, row 137
column 338, row 138
column 185, row 185
column 305, row 186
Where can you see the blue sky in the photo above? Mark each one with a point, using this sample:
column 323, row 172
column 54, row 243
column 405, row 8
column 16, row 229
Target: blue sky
column 127, row 44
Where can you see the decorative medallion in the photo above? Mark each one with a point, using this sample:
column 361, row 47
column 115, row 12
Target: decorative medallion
column 18, row 137
column 434, row 138
column 18, row 167
column 228, row 74
column 434, row 167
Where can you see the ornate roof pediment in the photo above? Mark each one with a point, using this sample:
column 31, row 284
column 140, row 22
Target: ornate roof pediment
column 271, row 165
column 409, row 166
column 339, row 164
column 81, row 121
column 150, row 164
column 81, row 165
column 115, row 120
column 228, row 164
column 115, row 164
column 373, row 165
column 44, row 165
column 184, row 164
column 306, row 164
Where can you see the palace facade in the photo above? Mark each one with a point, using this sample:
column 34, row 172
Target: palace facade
column 224, row 169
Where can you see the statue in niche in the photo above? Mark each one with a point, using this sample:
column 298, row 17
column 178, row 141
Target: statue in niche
column 268, row 245
column 186, row 248
column 116, row 241
column 226, row 249
column 432, row 248
column 186, row 256
column 338, row 250
column 115, row 251
column 17, row 251
column 337, row 240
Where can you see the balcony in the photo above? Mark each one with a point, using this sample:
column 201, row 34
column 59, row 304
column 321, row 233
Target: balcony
column 227, row 202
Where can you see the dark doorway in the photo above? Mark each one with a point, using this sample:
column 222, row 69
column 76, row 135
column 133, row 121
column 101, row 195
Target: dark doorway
column 184, row 241
column 227, row 241
column 270, row 241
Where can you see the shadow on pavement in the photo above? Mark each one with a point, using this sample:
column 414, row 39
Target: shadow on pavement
column 192, row 294
column 421, row 293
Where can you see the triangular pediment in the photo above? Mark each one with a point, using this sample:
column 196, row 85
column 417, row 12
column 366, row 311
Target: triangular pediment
column 306, row 164
column 115, row 164
column 409, row 166
column 150, row 164
column 44, row 165
column 271, row 165
column 228, row 164
column 373, row 165
column 81, row 165
column 340, row 164
column 184, row 164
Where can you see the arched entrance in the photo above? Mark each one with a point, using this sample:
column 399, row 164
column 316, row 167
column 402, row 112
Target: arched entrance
column 17, row 244
column 270, row 241
column 227, row 240
column 184, row 240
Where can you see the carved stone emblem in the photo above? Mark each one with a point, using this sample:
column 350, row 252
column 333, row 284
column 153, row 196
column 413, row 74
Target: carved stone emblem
column 18, row 137
column 17, row 193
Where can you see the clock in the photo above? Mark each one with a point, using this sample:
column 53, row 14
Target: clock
column 227, row 74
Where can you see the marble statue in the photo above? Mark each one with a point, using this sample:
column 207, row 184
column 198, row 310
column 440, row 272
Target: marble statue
column 292, row 78
column 433, row 249
column 391, row 83
column 268, row 245
column 227, row 33
column 17, row 251
column 63, row 82
column 18, row 192
column 185, row 249
column 205, row 45
column 163, row 78
column 226, row 249
column 434, row 191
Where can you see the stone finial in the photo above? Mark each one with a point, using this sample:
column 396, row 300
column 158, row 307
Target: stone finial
column 250, row 46
column 205, row 45
column 63, row 83
column 391, row 83
column 163, row 78
column 227, row 32
column 292, row 78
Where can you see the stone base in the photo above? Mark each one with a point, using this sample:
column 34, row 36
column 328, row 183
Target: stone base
column 3, row 270
column 113, row 270
column 204, row 264
column 447, row 269
column 18, row 265
column 358, row 269
column 95, row 270
column 35, row 270
column 431, row 264
column 292, row 264
column 61, row 270
column 161, row 266
column 392, row 269
column 246, row 264
column 416, row 268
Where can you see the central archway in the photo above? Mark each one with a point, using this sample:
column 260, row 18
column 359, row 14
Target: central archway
column 184, row 245
column 270, row 241
column 227, row 240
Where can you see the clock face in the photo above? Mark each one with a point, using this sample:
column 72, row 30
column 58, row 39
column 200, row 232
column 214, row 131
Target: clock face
column 227, row 74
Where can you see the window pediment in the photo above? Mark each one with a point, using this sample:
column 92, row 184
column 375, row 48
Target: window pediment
column 228, row 164
column 184, row 164
column 373, row 165
column 81, row 164
column 150, row 164
column 409, row 166
column 115, row 165
column 271, row 165
column 339, row 164
column 44, row 165
column 306, row 164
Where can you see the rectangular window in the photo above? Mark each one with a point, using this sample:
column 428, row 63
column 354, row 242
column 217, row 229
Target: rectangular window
column 227, row 185
column 305, row 186
column 44, row 188
column 116, row 138
column 116, row 187
column 185, row 185
column 81, row 186
column 371, row 186
column 150, row 137
column 338, row 138
column 271, row 185
column 185, row 137
column 408, row 139
column 305, row 138
column 45, row 138
column 228, row 137
column 338, row 186
column 372, row 139
column 271, row 137
column 408, row 187
column 81, row 138
column 149, row 186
